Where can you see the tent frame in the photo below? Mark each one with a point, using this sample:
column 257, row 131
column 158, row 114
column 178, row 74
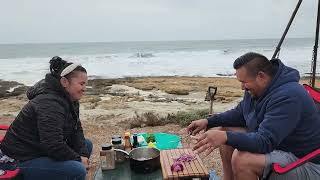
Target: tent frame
column 315, row 47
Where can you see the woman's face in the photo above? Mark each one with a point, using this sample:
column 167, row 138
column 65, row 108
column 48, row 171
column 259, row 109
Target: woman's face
column 76, row 85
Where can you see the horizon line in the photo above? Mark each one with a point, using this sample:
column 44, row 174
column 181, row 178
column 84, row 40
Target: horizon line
column 133, row 41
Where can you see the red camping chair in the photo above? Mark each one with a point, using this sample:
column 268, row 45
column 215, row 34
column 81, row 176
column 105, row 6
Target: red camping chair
column 281, row 170
column 7, row 174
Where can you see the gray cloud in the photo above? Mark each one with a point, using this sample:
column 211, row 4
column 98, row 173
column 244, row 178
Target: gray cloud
column 148, row 20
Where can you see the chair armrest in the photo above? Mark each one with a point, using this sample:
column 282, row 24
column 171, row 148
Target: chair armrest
column 10, row 174
column 4, row 127
column 281, row 170
column 315, row 94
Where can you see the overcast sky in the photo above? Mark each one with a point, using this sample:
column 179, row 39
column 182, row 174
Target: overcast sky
column 45, row 21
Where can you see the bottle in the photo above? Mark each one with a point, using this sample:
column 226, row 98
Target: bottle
column 135, row 141
column 127, row 144
column 107, row 157
column 117, row 144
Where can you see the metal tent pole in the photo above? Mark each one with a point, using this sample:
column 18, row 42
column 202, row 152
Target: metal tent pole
column 286, row 30
column 315, row 49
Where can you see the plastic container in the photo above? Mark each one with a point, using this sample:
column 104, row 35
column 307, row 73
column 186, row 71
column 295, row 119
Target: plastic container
column 167, row 141
column 117, row 144
column 107, row 157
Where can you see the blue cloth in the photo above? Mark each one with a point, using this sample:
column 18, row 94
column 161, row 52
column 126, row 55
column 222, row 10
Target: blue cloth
column 48, row 169
column 283, row 118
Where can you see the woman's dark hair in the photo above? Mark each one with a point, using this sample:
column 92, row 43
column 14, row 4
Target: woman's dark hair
column 57, row 65
column 254, row 62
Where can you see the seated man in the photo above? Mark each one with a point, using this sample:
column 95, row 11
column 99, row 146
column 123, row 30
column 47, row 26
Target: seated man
column 276, row 122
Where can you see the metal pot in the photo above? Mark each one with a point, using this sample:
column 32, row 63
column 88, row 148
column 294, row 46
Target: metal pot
column 143, row 160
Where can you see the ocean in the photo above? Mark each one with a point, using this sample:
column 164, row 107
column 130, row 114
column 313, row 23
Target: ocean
column 28, row 63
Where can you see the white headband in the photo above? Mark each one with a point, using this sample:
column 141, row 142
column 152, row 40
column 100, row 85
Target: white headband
column 69, row 69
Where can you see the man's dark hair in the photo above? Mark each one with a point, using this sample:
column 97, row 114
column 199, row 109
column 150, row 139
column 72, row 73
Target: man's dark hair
column 255, row 62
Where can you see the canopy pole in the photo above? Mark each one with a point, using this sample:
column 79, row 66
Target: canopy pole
column 315, row 49
column 286, row 30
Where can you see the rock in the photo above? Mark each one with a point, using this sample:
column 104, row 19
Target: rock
column 136, row 98
column 18, row 91
column 11, row 88
column 177, row 91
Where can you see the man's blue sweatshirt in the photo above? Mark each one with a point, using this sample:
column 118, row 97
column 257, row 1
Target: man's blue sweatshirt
column 283, row 118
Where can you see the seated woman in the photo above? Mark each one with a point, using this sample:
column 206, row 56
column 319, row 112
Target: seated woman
column 46, row 138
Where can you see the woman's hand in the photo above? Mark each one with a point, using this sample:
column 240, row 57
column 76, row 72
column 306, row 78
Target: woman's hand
column 210, row 140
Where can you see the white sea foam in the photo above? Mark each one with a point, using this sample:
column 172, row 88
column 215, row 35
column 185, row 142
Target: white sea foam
column 153, row 62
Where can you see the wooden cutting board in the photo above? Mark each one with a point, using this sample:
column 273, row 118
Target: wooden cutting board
column 193, row 169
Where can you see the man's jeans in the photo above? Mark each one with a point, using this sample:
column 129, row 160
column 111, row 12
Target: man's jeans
column 44, row 168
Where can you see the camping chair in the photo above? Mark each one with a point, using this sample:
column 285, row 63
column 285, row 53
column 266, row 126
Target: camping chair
column 7, row 173
column 315, row 94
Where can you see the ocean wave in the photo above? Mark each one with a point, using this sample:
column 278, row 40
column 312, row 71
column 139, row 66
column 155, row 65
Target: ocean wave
column 225, row 74
column 142, row 55
column 166, row 59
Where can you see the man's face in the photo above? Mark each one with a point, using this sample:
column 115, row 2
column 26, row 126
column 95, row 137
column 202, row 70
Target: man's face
column 255, row 85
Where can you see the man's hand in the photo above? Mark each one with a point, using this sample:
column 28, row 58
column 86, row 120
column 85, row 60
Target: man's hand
column 85, row 161
column 196, row 126
column 210, row 140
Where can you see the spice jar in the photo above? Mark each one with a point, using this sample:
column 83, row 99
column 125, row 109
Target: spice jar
column 107, row 157
column 117, row 144
column 115, row 137
column 127, row 144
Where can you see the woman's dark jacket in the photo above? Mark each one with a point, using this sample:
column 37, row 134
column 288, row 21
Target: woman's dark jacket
column 48, row 125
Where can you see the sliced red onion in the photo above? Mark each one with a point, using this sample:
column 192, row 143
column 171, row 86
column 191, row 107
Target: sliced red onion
column 186, row 158
column 176, row 166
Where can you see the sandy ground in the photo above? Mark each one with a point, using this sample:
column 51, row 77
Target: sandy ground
column 109, row 104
